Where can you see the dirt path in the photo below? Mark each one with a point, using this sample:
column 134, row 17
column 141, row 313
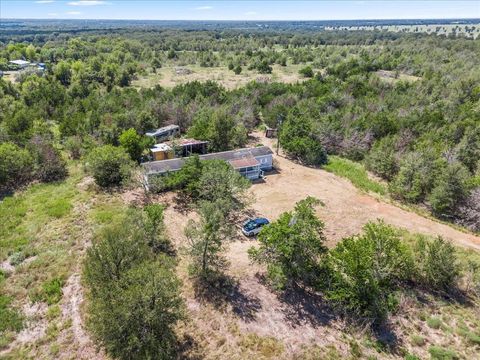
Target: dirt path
column 346, row 208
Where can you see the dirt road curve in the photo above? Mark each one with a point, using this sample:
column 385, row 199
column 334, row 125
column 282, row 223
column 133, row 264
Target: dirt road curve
column 346, row 208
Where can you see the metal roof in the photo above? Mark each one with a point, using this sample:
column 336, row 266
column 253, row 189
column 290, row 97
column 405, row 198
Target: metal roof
column 162, row 130
column 19, row 62
column 247, row 161
column 162, row 166
column 160, row 147
column 186, row 142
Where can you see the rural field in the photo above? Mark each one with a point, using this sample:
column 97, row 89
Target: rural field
column 206, row 189
column 168, row 77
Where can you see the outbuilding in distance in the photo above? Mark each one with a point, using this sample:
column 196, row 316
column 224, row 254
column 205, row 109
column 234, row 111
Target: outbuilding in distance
column 164, row 133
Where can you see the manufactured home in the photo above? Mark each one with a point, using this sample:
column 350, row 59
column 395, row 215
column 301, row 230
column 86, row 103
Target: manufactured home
column 250, row 162
column 164, row 133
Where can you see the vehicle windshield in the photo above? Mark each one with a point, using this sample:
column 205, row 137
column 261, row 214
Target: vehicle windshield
column 250, row 225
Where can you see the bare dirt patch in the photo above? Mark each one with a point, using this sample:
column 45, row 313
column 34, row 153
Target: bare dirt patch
column 346, row 209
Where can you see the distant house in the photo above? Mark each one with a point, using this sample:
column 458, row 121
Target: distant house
column 249, row 162
column 21, row 64
column 164, row 133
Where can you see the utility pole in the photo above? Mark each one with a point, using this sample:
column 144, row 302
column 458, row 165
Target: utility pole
column 279, row 123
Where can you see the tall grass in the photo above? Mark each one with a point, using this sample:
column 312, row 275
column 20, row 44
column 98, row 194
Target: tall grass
column 354, row 172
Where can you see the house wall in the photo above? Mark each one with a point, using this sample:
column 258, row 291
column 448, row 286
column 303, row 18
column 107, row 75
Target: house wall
column 266, row 162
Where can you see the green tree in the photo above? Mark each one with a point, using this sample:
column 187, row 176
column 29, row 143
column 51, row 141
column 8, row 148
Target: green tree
column 365, row 270
column 237, row 70
column 134, row 301
column 414, row 179
column 223, row 185
column 63, row 73
column 155, row 229
column 30, row 52
column 293, row 246
column 133, row 143
column 206, row 238
column 297, row 139
column 469, row 149
column 449, row 191
column 109, row 165
column 16, row 166
column 219, row 128
column 382, row 160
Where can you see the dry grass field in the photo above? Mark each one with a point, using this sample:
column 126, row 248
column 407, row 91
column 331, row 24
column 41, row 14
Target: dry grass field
column 167, row 76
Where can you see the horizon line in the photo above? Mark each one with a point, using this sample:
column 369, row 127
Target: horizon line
column 252, row 20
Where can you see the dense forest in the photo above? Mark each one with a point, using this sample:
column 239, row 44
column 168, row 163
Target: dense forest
column 404, row 107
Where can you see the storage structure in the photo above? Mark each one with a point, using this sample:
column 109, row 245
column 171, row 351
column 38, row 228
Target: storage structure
column 162, row 152
column 271, row 132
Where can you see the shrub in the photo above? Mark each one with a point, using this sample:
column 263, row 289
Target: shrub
column 264, row 67
column 49, row 163
column 434, row 322
column 439, row 353
column 437, row 264
column 16, row 166
column 109, row 165
column 221, row 184
column 307, row 72
column 155, row 229
column 292, row 246
column 418, row 340
column 10, row 318
column 52, row 291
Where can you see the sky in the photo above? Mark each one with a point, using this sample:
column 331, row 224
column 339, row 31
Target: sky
column 238, row 10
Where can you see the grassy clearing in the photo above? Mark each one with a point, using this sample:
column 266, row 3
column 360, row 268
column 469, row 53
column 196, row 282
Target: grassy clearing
column 354, row 172
column 168, row 78
column 43, row 234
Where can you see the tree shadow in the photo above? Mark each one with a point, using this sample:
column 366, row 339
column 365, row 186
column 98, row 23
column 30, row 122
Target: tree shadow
column 305, row 306
column 221, row 290
column 183, row 203
column 187, row 348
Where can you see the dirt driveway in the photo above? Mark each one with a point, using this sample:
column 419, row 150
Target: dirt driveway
column 346, row 208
